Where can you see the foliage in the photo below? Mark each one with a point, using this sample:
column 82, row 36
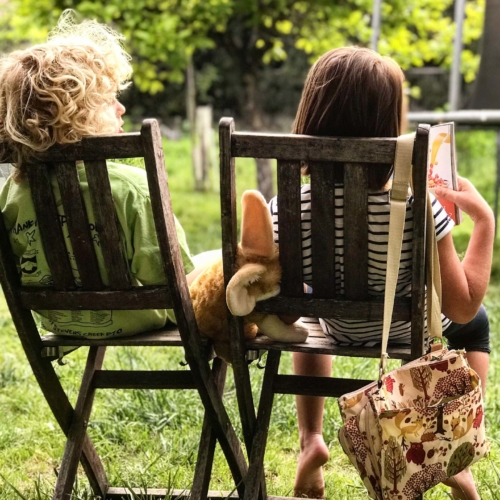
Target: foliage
column 163, row 36
column 428, row 38
column 421, row 376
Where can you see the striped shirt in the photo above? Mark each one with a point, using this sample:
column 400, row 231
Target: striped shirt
column 367, row 333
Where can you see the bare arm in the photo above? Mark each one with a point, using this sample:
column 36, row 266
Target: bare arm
column 465, row 283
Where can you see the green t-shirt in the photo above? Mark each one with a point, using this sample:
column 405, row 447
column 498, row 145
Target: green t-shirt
column 133, row 206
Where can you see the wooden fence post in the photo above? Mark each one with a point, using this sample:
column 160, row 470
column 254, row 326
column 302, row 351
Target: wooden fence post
column 203, row 147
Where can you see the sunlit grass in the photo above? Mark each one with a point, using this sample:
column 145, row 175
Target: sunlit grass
column 150, row 438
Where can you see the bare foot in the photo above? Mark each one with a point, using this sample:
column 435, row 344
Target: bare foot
column 463, row 486
column 309, row 482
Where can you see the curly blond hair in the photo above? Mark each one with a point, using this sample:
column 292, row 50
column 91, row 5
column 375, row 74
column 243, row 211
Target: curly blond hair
column 61, row 90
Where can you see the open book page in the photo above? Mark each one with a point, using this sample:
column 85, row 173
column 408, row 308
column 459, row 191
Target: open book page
column 442, row 164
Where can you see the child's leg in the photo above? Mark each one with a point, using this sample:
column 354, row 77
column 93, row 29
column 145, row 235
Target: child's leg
column 479, row 362
column 474, row 337
column 313, row 450
column 462, row 484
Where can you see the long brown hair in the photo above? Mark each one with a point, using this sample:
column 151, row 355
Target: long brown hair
column 353, row 92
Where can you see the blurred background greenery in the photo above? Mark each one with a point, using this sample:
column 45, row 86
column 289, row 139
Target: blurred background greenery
column 250, row 57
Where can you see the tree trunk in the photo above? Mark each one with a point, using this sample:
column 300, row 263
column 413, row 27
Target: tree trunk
column 486, row 94
column 264, row 171
column 265, row 177
column 191, row 116
column 204, row 146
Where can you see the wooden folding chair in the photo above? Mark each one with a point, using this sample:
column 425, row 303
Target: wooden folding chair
column 120, row 294
column 331, row 160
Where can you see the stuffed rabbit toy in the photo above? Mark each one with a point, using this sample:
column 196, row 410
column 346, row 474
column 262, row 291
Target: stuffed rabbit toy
column 257, row 277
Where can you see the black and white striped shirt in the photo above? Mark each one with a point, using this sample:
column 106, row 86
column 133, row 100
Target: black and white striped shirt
column 365, row 332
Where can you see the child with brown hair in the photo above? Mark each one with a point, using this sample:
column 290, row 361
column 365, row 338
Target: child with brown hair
column 56, row 93
column 355, row 92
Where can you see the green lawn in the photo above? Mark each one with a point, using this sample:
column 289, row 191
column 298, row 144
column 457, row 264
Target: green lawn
column 150, row 437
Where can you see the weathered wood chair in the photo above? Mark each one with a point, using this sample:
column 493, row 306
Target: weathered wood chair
column 331, row 160
column 120, row 294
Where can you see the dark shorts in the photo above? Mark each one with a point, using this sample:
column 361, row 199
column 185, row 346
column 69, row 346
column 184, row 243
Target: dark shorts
column 472, row 336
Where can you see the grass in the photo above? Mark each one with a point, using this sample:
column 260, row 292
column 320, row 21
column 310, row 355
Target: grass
column 149, row 438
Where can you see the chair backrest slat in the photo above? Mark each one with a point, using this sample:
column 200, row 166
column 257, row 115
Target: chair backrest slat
column 78, row 225
column 290, row 228
column 161, row 208
column 96, row 148
column 149, row 297
column 228, row 197
column 113, row 250
column 419, row 229
column 323, row 229
column 49, row 223
column 356, row 231
column 309, row 148
column 169, row 247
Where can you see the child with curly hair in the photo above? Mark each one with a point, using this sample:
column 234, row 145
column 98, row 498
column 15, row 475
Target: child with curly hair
column 56, row 93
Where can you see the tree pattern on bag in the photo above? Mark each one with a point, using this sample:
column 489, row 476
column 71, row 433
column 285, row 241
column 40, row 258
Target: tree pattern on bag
column 462, row 457
column 456, row 383
column 356, row 439
column 421, row 376
column 423, row 480
column 395, row 463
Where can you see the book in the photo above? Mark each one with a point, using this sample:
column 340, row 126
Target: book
column 442, row 165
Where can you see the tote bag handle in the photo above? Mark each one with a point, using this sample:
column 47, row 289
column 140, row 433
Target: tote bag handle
column 399, row 194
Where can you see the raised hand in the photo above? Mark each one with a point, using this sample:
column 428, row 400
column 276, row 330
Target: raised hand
column 468, row 199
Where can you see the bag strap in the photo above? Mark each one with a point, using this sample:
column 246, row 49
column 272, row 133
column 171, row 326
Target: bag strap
column 399, row 194
column 433, row 278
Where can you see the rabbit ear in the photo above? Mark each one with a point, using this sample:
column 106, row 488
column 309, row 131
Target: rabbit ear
column 239, row 301
column 256, row 226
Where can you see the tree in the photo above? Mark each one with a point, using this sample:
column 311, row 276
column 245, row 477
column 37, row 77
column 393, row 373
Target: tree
column 162, row 36
column 486, row 95
column 253, row 34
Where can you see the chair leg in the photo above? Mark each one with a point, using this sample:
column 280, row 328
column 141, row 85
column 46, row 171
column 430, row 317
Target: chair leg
column 94, row 469
column 244, row 392
column 58, row 402
column 216, row 412
column 78, row 429
column 256, row 461
column 206, row 450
